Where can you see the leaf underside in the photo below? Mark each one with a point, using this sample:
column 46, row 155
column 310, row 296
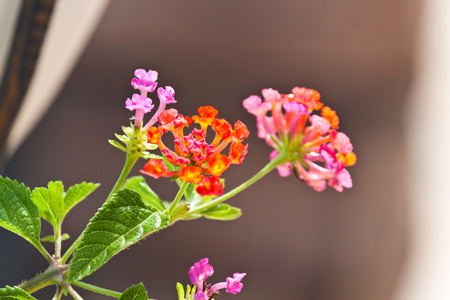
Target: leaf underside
column 122, row 221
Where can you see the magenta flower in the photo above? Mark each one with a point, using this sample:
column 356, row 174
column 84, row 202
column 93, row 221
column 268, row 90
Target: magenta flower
column 145, row 81
column 139, row 102
column 200, row 295
column 202, row 270
column 316, row 152
column 232, row 285
column 166, row 95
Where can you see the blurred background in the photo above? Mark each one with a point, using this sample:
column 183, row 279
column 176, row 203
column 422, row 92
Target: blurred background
column 364, row 57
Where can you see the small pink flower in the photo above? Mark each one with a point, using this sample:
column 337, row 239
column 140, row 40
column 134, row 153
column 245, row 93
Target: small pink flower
column 200, row 295
column 139, row 102
column 166, row 95
column 255, row 106
column 320, row 123
column 202, row 270
column 271, row 95
column 234, row 284
column 145, row 81
column 296, row 107
column 342, row 143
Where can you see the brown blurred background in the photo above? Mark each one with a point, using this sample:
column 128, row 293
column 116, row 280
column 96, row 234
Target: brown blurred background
column 292, row 242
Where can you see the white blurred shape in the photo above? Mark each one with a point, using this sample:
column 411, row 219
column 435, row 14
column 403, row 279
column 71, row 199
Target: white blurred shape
column 427, row 275
column 72, row 25
column 9, row 11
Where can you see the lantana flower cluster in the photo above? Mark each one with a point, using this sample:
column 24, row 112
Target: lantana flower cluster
column 197, row 161
column 318, row 152
column 201, row 270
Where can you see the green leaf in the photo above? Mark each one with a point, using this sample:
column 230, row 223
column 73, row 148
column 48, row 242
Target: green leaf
column 77, row 193
column 14, row 293
column 56, row 187
column 17, row 212
column 223, row 212
column 117, row 145
column 136, row 292
column 123, row 220
column 139, row 185
column 50, row 205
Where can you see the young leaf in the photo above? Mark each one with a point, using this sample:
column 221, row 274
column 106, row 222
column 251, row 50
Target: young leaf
column 77, row 193
column 14, row 293
column 122, row 221
column 50, row 205
column 139, row 185
column 223, row 212
column 56, row 186
column 136, row 292
column 17, row 212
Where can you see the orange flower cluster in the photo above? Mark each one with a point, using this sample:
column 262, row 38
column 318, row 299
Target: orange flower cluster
column 194, row 159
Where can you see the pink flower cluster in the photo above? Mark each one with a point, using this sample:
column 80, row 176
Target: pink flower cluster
column 318, row 152
column 202, row 270
column 146, row 83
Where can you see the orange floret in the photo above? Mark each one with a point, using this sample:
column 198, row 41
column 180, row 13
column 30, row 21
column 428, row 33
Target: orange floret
column 331, row 116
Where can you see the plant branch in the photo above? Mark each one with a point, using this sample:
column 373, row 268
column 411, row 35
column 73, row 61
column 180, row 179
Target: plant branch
column 50, row 276
column 97, row 289
column 129, row 163
column 58, row 293
column 279, row 160
column 70, row 250
column 73, row 293
column 177, row 199
column 130, row 160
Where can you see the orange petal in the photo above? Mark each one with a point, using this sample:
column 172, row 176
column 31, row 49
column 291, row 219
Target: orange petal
column 210, row 186
column 191, row 174
column 155, row 168
column 154, row 135
column 237, row 153
column 240, row 131
column 348, row 159
column 218, row 163
column 331, row 117
column 208, row 112
column 222, row 128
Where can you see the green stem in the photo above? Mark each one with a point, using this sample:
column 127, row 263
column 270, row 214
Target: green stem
column 50, row 276
column 73, row 293
column 97, row 289
column 279, row 160
column 70, row 250
column 58, row 293
column 177, row 199
column 58, row 242
column 129, row 163
column 130, row 160
column 44, row 252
